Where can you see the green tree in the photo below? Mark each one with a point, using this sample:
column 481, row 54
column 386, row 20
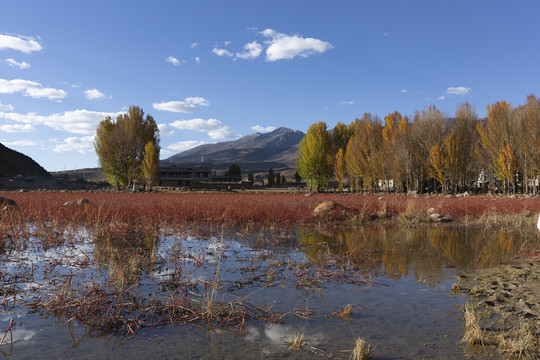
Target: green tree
column 315, row 156
column 120, row 146
column 251, row 178
column 277, row 179
column 234, row 170
column 297, row 177
column 283, row 179
column 340, row 137
column 271, row 177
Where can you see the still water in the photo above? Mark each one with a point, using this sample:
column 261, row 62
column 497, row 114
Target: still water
column 278, row 285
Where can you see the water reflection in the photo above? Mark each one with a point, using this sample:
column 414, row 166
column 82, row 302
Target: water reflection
column 127, row 257
column 424, row 251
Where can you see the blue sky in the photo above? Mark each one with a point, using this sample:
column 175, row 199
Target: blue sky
column 211, row 71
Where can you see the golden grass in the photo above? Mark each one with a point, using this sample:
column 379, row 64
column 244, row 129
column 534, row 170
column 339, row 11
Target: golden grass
column 520, row 343
column 474, row 335
column 295, row 342
column 361, row 351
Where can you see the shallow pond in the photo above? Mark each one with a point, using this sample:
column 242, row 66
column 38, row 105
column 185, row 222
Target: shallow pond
column 236, row 297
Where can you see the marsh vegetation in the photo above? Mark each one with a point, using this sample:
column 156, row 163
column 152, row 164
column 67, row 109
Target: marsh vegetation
column 222, row 275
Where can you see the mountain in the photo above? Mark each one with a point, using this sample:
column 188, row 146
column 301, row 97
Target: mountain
column 13, row 163
column 254, row 153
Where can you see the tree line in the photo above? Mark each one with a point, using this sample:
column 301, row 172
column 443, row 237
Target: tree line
column 428, row 153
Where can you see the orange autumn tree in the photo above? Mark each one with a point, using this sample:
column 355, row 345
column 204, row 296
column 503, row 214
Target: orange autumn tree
column 395, row 136
column 364, row 157
column 496, row 139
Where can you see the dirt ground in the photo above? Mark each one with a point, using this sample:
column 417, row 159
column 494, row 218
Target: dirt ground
column 507, row 298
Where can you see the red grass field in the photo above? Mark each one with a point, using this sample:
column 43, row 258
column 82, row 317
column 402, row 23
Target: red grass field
column 248, row 209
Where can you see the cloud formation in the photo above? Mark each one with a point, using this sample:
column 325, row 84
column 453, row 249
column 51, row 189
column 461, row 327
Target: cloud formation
column 164, row 129
column 24, row 44
column 6, row 107
column 16, row 128
column 459, row 90
column 81, row 145
column 173, row 60
column 94, row 94
column 189, row 105
column 403, row 91
column 21, row 65
column 76, row 122
column 185, row 145
column 222, row 52
column 20, row 143
column 286, row 47
column 251, row 51
column 30, row 88
column 260, row 129
column 213, row 127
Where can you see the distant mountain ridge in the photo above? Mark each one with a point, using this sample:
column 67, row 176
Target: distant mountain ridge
column 13, row 163
column 256, row 152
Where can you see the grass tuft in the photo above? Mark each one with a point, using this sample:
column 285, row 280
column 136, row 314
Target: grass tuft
column 519, row 343
column 295, row 342
column 361, row 351
column 474, row 335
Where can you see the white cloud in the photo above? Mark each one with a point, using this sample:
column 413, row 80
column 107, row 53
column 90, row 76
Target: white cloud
column 403, row 91
column 251, row 51
column 81, row 145
column 213, row 127
column 164, row 129
column 185, row 145
column 15, row 128
column 6, row 107
column 21, row 65
column 227, row 43
column 222, row 52
column 442, row 97
column 21, row 43
column 286, row 47
column 459, row 90
column 385, row 34
column 173, row 60
column 30, row 88
column 189, row 105
column 94, row 94
column 347, row 103
column 198, row 60
column 260, row 129
column 75, row 122
column 19, row 143
column 194, row 45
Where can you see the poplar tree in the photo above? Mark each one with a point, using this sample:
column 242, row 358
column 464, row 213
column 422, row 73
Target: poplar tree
column 120, row 146
column 315, row 156
column 150, row 164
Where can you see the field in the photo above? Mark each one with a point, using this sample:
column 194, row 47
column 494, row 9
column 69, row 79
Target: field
column 252, row 211
column 125, row 263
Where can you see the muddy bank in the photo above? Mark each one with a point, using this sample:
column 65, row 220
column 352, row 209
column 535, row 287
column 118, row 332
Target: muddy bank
column 507, row 299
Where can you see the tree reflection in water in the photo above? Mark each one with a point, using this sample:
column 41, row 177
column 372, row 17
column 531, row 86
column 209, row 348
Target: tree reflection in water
column 426, row 251
column 127, row 257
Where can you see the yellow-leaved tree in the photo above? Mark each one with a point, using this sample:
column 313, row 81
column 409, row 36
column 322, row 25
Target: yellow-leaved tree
column 315, row 156
column 150, row 164
column 120, row 146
